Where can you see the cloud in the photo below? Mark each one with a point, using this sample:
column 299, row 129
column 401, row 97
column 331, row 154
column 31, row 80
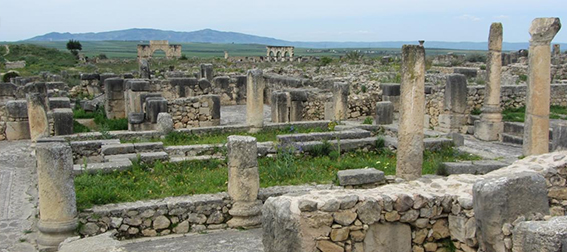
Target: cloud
column 469, row 17
column 501, row 17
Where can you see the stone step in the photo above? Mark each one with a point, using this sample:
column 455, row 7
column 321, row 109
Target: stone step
column 507, row 138
column 146, row 157
column 470, row 167
column 430, row 143
column 204, row 157
column 194, row 150
column 517, row 129
column 126, row 148
column 320, row 136
column 107, row 167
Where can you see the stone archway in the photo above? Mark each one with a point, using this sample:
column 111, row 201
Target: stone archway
column 146, row 51
column 279, row 53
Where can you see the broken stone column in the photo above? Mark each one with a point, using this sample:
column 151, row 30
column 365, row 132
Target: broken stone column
column 144, row 69
column 37, row 116
column 255, row 99
column 340, row 100
column 241, row 83
column 559, row 137
column 391, row 92
column 57, row 206
column 164, row 123
column 114, row 105
column 207, row 71
column 17, row 125
column 384, row 113
column 280, row 107
column 297, row 98
column 62, row 121
column 501, row 200
column 455, row 104
column 490, row 125
column 243, row 182
column 412, row 107
column 536, row 126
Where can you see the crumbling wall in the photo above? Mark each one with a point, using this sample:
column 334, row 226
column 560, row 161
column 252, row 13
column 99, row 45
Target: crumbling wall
column 198, row 111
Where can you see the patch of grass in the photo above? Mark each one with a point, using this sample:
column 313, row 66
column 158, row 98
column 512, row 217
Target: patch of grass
column 79, row 128
column 514, row 114
column 179, row 138
column 476, row 111
column 368, row 120
column 100, row 119
column 159, row 180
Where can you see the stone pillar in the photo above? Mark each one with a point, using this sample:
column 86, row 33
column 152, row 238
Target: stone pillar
column 243, row 182
column 340, row 100
column 207, row 71
column 412, row 107
column 490, row 125
column 57, row 207
column 114, row 105
column 391, row 92
column 255, row 99
column 144, row 69
column 37, row 116
column 384, row 113
column 164, row 123
column 536, row 126
column 297, row 98
column 280, row 107
column 454, row 103
column 62, row 121
column 559, row 137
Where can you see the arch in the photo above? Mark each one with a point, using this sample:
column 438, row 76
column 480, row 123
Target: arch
column 286, row 54
column 171, row 51
column 159, row 53
column 279, row 53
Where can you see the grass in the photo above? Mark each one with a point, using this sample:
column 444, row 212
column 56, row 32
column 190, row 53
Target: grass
column 179, row 138
column 159, row 180
column 518, row 114
column 100, row 119
column 38, row 59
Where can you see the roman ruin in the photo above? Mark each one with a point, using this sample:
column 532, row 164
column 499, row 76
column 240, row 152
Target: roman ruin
column 251, row 132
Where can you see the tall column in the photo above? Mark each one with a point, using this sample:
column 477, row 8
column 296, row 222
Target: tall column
column 243, row 182
column 536, row 126
column 490, row 125
column 57, row 203
column 255, row 99
column 412, row 106
column 340, row 100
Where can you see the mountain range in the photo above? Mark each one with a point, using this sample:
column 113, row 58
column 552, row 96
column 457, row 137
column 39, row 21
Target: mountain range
column 221, row 37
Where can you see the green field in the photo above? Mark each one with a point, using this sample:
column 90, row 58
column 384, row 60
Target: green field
column 128, row 49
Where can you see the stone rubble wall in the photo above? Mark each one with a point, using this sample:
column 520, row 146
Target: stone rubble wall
column 421, row 215
column 3, row 120
column 174, row 215
column 191, row 112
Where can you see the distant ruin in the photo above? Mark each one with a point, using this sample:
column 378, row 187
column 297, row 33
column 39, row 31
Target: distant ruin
column 146, row 51
column 279, row 53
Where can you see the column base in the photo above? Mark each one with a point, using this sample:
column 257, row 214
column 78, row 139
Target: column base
column 51, row 234
column 451, row 122
column 488, row 131
column 245, row 214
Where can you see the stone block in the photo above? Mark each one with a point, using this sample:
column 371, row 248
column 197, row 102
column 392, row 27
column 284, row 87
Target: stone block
column 164, row 123
column 8, row 89
column 37, row 116
column 114, row 89
column 17, row 130
column 62, row 121
column 298, row 95
column 296, row 111
column 458, row 139
column 470, row 167
column 329, row 111
column 59, row 102
column 56, row 85
column 279, row 106
column 384, row 113
column 153, row 108
column 92, row 76
column 502, row 199
column 467, row 72
column 559, row 136
column 395, row 100
column 115, row 109
column 105, row 76
column 451, row 122
column 488, row 131
column 207, row 71
column 135, row 118
column 204, row 84
column 549, row 236
column 455, row 99
column 360, row 176
column 390, row 89
column 138, row 85
column 17, row 108
column 388, row 237
column 221, row 82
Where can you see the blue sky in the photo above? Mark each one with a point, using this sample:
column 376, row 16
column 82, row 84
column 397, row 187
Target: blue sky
column 294, row 20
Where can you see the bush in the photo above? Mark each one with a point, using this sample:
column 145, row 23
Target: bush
column 321, row 149
column 183, row 57
column 102, row 56
column 9, row 75
column 325, row 61
column 476, row 58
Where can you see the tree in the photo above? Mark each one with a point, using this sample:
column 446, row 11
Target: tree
column 74, row 46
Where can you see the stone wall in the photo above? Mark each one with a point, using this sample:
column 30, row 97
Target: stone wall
column 175, row 215
column 198, row 111
column 3, row 120
column 422, row 215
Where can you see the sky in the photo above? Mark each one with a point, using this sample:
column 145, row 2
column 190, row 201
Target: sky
column 293, row 20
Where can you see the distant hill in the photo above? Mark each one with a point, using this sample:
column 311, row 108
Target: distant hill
column 220, row 37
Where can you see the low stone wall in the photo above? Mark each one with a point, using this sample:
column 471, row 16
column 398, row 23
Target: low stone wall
column 3, row 120
column 199, row 111
column 421, row 215
column 174, row 215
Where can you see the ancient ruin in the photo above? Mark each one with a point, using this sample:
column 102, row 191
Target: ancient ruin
column 146, row 51
column 279, row 53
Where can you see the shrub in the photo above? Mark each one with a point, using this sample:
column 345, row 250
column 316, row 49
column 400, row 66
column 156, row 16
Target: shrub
column 363, row 88
column 102, row 56
column 483, row 67
column 476, row 57
column 183, row 57
column 9, row 75
column 325, row 61
column 321, row 149
column 523, row 77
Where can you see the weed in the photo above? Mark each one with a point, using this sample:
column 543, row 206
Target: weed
column 321, row 149
column 368, row 120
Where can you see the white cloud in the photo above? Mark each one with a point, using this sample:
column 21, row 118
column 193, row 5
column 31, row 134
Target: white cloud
column 469, row 17
column 501, row 17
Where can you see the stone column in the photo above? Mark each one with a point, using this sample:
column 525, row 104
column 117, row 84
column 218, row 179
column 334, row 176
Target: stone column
column 490, row 125
column 243, row 182
column 37, row 116
column 340, row 100
column 207, row 71
column 57, row 207
column 384, row 113
column 255, row 99
column 536, row 126
column 280, row 107
column 412, row 107
column 454, row 103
